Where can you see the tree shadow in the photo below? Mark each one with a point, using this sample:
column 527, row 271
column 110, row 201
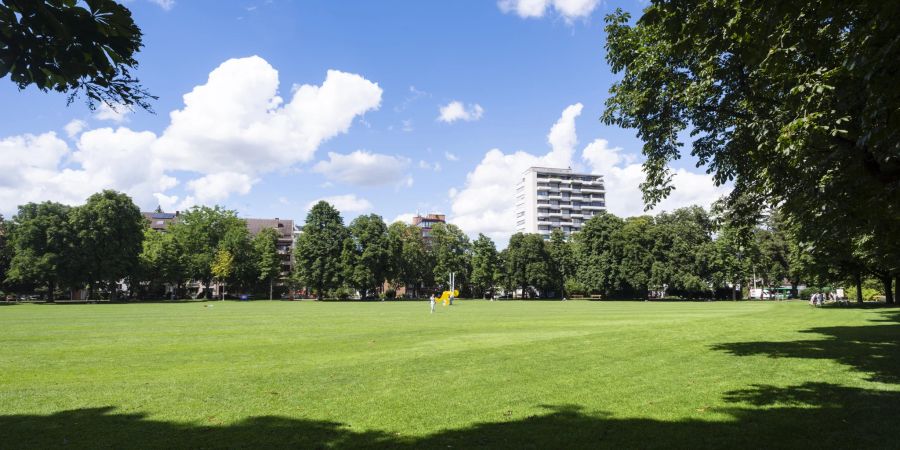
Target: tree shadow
column 872, row 349
column 809, row 415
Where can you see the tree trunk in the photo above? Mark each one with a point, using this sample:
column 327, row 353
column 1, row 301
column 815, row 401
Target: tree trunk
column 733, row 291
column 897, row 288
column 888, row 289
column 113, row 291
column 51, row 297
column 271, row 282
column 90, row 292
column 795, row 293
column 859, row 295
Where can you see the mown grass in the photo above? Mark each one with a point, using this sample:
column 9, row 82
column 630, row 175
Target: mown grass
column 479, row 374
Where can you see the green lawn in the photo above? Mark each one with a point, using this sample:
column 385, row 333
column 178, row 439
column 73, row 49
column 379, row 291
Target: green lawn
column 478, row 374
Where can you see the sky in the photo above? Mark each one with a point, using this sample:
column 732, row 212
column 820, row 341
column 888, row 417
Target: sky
column 393, row 108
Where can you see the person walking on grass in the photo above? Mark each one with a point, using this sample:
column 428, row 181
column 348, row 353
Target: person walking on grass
column 432, row 303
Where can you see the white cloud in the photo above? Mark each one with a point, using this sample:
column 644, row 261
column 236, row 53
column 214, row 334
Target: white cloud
column 74, row 127
column 456, row 110
column 117, row 114
column 231, row 130
column 237, row 122
column 219, row 186
column 346, row 204
column 363, row 168
column 430, row 166
column 407, row 125
column 568, row 9
column 623, row 174
column 164, row 4
column 404, row 217
column 450, row 156
column 485, row 203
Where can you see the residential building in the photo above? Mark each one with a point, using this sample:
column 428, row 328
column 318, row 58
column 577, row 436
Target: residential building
column 427, row 222
column 159, row 220
column 284, row 228
column 548, row 198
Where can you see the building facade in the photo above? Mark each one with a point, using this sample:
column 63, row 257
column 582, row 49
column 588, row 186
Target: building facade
column 548, row 198
column 425, row 223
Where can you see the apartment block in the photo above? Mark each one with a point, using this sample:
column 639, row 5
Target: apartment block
column 548, row 198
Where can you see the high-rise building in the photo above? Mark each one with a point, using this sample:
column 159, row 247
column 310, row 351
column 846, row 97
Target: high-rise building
column 548, row 198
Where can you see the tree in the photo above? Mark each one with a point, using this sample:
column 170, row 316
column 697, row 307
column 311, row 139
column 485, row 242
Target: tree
column 450, row 250
column 5, row 250
column 109, row 234
column 161, row 259
column 268, row 263
column 223, row 267
column 528, row 264
column 562, row 260
column 598, row 267
column 239, row 245
column 409, row 263
column 485, row 264
column 41, row 241
column 319, row 248
column 199, row 234
column 682, row 251
column 794, row 103
column 635, row 242
column 74, row 47
column 366, row 254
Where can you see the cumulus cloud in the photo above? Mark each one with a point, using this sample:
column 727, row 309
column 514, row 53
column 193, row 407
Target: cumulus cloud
column 404, row 217
column 567, row 9
column 242, row 125
column 116, row 114
column 455, row 110
column 363, row 168
column 485, row 203
column 623, row 174
column 450, row 156
column 74, row 127
column 347, row 204
column 231, row 130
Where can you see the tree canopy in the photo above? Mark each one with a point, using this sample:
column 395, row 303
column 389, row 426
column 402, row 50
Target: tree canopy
column 319, row 248
column 795, row 103
column 73, row 46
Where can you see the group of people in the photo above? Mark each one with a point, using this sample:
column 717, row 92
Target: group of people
column 819, row 299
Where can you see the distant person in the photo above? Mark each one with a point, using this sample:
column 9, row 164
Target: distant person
column 432, row 303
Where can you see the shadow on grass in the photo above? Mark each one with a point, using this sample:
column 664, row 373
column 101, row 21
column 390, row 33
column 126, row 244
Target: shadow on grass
column 811, row 415
column 806, row 415
column 871, row 349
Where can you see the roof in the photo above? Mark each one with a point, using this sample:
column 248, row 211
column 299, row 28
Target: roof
column 284, row 227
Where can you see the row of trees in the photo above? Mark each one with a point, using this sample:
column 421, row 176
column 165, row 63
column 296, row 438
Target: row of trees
column 107, row 240
column 689, row 252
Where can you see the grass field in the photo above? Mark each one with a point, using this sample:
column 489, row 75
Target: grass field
column 478, row 374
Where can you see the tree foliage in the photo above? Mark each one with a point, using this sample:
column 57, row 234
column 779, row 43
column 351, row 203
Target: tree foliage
column 366, row 254
column 109, row 232
column 267, row 260
column 795, row 103
column 319, row 248
column 72, row 46
column 485, row 265
column 42, row 243
column 450, row 251
column 201, row 232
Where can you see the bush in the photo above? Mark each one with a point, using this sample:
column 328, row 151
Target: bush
column 389, row 294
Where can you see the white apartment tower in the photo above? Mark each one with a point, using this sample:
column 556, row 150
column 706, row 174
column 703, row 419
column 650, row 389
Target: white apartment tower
column 557, row 198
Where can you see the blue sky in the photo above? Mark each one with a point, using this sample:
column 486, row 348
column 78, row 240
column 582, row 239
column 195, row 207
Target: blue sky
column 372, row 141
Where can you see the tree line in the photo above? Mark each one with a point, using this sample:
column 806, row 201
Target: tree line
column 106, row 245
